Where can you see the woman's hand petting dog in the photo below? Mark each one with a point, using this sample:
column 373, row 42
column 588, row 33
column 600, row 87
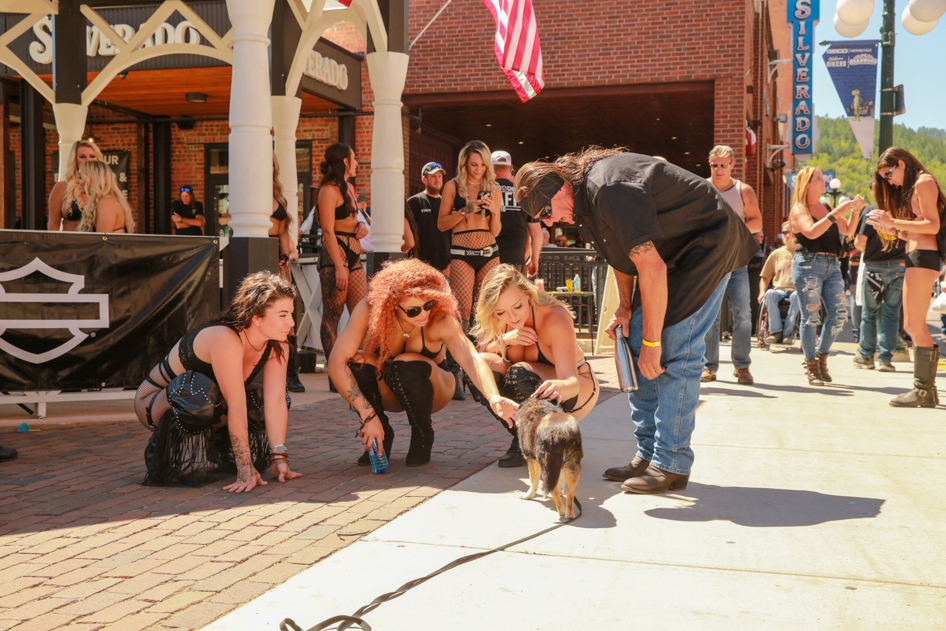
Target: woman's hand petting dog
column 550, row 390
column 526, row 336
column 506, row 409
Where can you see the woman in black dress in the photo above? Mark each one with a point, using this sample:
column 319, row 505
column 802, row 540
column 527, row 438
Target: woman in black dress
column 218, row 399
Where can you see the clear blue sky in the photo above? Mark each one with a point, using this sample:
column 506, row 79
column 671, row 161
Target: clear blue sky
column 919, row 64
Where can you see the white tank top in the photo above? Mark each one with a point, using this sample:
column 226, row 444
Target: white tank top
column 733, row 197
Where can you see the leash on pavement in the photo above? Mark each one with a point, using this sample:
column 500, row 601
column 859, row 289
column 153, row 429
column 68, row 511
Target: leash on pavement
column 355, row 619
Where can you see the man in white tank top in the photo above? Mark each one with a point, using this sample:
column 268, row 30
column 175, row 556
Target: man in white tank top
column 743, row 201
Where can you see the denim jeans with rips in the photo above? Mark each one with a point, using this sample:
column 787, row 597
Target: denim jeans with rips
column 772, row 298
column 737, row 290
column 818, row 281
column 664, row 409
column 892, row 273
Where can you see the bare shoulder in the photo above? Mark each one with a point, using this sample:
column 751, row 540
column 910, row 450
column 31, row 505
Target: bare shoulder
column 553, row 318
column 442, row 328
column 328, row 193
column 449, row 186
column 926, row 185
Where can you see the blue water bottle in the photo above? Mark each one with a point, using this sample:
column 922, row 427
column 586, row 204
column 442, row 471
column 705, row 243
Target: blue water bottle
column 379, row 461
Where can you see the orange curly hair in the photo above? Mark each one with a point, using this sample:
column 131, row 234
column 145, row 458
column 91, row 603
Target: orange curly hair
column 398, row 281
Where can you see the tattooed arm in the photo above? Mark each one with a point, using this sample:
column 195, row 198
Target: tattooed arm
column 346, row 347
column 226, row 356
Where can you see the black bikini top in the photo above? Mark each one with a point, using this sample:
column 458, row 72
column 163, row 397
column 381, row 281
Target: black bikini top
column 459, row 202
column 429, row 354
column 75, row 213
column 191, row 361
column 280, row 213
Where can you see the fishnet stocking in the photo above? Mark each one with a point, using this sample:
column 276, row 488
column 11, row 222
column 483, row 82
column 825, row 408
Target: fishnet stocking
column 334, row 302
column 464, row 280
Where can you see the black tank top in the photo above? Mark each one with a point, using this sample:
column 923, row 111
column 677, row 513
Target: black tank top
column 190, row 361
column 828, row 243
column 280, row 213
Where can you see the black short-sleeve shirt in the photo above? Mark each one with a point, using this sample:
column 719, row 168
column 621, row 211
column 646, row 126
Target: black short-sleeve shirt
column 433, row 246
column 629, row 199
column 874, row 250
column 514, row 235
column 190, row 211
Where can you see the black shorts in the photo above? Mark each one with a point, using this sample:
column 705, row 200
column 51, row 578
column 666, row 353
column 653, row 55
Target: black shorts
column 926, row 259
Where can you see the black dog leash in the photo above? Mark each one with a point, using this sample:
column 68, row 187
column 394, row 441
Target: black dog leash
column 289, row 625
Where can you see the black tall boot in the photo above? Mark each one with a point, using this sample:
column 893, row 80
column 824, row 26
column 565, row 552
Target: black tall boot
column 366, row 376
column 410, row 382
column 292, row 368
column 513, row 456
column 454, row 368
column 924, row 393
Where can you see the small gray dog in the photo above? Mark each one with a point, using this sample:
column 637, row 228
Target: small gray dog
column 551, row 443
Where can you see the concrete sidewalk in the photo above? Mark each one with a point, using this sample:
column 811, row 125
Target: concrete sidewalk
column 808, row 508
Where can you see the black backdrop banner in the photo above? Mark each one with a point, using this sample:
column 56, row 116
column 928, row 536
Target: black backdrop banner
column 81, row 311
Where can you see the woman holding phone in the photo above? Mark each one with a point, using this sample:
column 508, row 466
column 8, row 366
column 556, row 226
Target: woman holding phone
column 470, row 209
column 910, row 207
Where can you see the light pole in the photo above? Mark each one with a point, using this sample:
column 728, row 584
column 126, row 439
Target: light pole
column 919, row 17
column 834, row 190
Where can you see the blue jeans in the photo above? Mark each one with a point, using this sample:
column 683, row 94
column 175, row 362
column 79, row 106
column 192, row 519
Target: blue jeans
column 737, row 290
column 664, row 409
column 892, row 272
column 772, row 298
column 818, row 279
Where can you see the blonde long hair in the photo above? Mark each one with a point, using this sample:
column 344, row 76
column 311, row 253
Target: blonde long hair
column 489, row 178
column 802, row 180
column 488, row 328
column 72, row 168
column 100, row 183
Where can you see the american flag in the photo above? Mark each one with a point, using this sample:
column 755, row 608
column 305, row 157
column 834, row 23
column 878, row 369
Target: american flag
column 517, row 45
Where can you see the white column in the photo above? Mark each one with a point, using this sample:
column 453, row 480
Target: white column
column 285, row 120
column 251, row 119
column 388, row 72
column 70, row 123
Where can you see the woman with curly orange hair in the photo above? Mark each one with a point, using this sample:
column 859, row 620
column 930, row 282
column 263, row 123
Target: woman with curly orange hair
column 390, row 357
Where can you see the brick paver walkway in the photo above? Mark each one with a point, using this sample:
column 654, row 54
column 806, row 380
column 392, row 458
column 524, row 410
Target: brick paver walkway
column 84, row 546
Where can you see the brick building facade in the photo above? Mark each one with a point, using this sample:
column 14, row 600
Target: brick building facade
column 663, row 78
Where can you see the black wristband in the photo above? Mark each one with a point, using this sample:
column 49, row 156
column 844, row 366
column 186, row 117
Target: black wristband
column 831, row 218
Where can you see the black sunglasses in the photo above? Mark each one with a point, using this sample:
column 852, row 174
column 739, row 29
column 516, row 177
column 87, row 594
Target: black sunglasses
column 413, row 312
column 889, row 173
column 186, row 189
column 546, row 212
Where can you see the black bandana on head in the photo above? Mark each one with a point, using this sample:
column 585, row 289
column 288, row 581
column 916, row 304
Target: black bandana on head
column 544, row 190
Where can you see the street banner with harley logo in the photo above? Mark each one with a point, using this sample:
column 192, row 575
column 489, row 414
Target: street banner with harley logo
column 81, row 311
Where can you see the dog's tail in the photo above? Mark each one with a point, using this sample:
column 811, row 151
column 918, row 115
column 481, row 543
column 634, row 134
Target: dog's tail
column 551, row 459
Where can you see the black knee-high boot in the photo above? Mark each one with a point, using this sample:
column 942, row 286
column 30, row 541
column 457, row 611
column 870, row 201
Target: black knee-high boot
column 292, row 368
column 513, row 456
column 366, row 376
column 410, row 382
column 521, row 383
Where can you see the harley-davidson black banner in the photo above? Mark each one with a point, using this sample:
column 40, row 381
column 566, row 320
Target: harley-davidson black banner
column 82, row 311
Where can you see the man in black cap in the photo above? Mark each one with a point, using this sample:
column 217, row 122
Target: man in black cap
column 433, row 246
column 187, row 214
column 669, row 230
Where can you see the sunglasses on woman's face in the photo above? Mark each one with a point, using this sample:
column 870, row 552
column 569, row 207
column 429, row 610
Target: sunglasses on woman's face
column 546, row 212
column 413, row 312
column 889, row 173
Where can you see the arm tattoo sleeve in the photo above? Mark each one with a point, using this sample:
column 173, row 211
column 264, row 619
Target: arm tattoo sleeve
column 643, row 248
column 241, row 453
column 354, row 393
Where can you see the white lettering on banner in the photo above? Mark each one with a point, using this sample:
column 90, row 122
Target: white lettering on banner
column 41, row 51
column 802, row 9
column 326, row 70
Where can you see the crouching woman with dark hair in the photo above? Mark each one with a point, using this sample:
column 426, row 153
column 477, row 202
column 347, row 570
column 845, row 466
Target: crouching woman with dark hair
column 218, row 400
column 390, row 358
column 528, row 338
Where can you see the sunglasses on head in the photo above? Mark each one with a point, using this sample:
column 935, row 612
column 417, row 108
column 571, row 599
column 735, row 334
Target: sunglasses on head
column 889, row 172
column 186, row 189
column 546, row 212
column 413, row 312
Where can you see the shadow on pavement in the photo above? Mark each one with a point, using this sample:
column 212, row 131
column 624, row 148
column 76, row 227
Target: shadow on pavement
column 736, row 393
column 766, row 508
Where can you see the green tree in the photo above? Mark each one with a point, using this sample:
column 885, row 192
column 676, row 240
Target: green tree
column 837, row 151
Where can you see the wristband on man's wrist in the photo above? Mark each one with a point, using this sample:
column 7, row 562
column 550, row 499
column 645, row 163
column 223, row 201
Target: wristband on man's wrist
column 649, row 343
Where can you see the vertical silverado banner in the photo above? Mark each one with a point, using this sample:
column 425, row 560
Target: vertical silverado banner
column 87, row 310
column 853, row 68
column 803, row 16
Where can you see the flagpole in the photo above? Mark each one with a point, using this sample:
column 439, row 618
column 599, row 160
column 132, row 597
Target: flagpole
column 424, row 30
